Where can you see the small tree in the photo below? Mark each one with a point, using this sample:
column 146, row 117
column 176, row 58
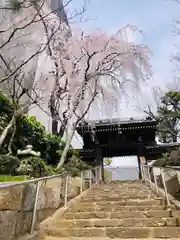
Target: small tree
column 90, row 69
column 168, row 116
column 169, row 159
column 107, row 162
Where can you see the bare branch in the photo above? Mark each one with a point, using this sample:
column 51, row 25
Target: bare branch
column 85, row 61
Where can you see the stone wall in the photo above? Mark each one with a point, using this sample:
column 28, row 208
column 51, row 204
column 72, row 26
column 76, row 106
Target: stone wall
column 172, row 181
column 171, row 177
column 16, row 205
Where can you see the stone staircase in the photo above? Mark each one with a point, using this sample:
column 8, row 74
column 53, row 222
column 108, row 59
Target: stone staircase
column 124, row 210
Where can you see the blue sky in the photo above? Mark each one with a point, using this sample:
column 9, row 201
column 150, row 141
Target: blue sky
column 155, row 19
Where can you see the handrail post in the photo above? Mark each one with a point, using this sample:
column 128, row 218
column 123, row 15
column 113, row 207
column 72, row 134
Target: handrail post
column 155, row 180
column 165, row 188
column 96, row 177
column 100, row 173
column 142, row 171
column 90, row 179
column 149, row 176
column 81, row 188
column 35, row 208
column 146, row 173
column 97, row 172
column 66, row 190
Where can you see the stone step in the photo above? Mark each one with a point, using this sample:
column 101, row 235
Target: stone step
column 113, row 186
column 120, row 193
column 123, row 201
column 116, row 195
column 133, row 201
column 125, row 188
column 124, row 181
column 114, row 183
column 115, row 208
column 111, row 198
column 124, row 185
column 129, row 202
column 115, row 232
column 128, row 189
column 122, row 214
column 102, row 238
column 124, row 222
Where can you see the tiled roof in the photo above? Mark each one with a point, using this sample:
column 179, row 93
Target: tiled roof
column 117, row 121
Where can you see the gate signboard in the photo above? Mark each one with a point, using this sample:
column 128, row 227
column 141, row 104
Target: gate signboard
column 142, row 160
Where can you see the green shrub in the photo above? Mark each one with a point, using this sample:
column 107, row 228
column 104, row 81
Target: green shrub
column 8, row 164
column 31, row 131
column 75, row 162
column 169, row 159
column 59, row 170
column 161, row 162
column 75, row 172
column 28, row 131
column 34, row 167
column 107, row 174
column 53, row 144
column 173, row 158
column 107, row 161
column 5, row 104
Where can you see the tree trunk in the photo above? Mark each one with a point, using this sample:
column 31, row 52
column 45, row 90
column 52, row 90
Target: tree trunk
column 174, row 137
column 6, row 130
column 61, row 131
column 65, row 151
column 55, row 127
column 12, row 138
column 54, row 114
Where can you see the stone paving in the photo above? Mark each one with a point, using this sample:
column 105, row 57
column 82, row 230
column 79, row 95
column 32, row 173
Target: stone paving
column 121, row 210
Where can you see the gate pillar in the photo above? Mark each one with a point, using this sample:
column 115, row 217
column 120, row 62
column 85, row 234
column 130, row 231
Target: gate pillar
column 99, row 159
column 141, row 158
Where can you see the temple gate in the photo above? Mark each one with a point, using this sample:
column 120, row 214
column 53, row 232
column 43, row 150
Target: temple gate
column 114, row 138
